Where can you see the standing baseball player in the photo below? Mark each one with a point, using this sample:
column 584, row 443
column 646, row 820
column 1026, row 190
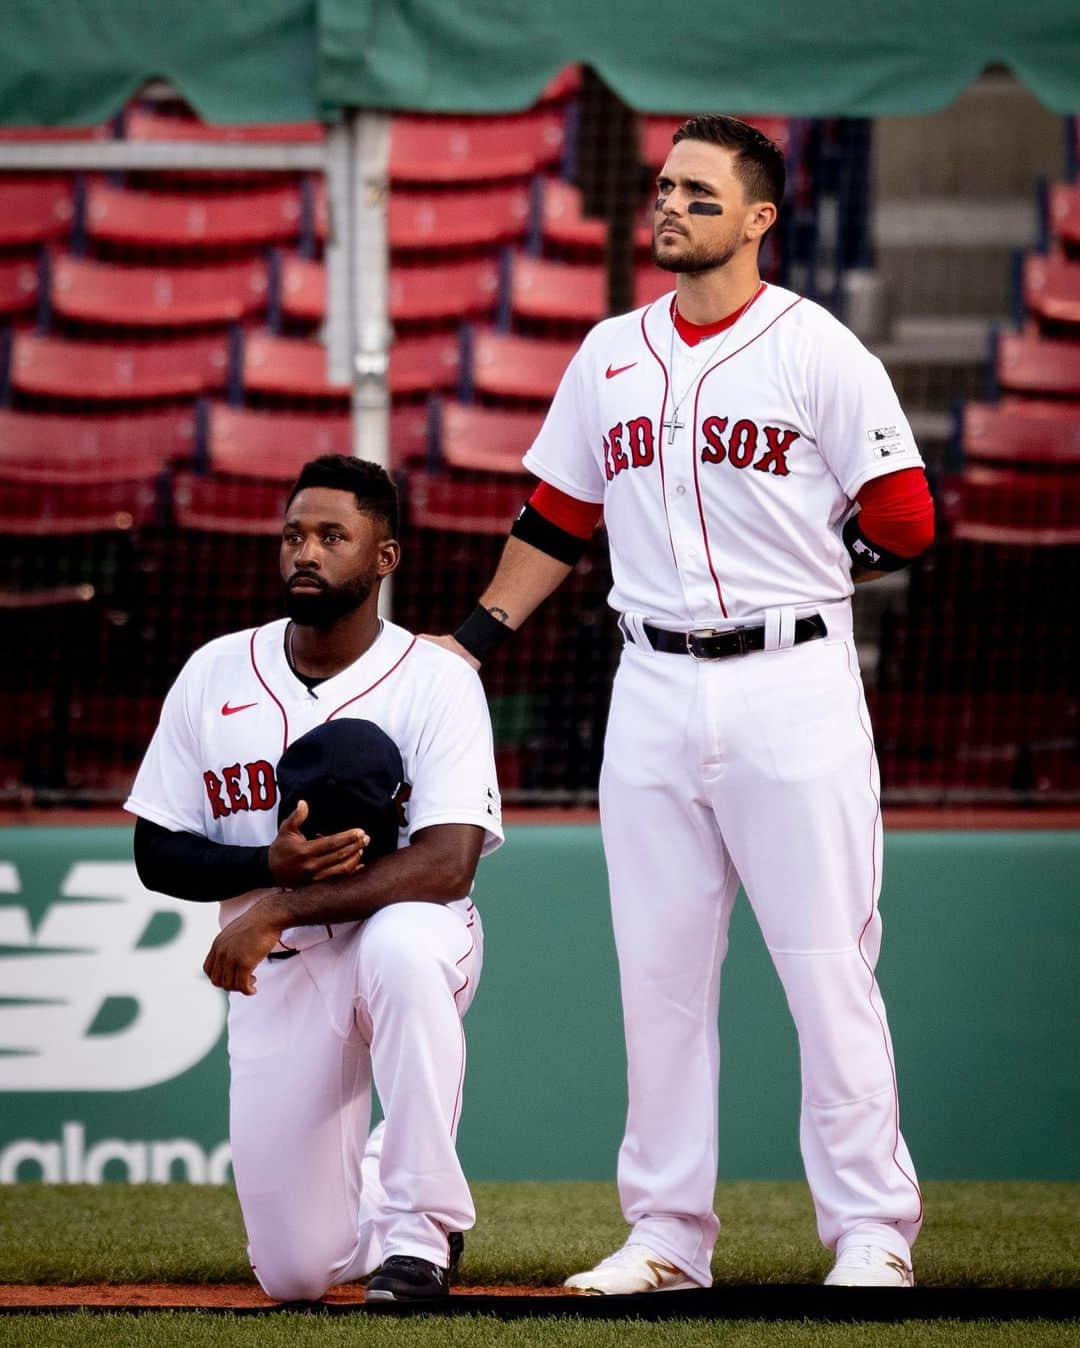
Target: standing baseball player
column 726, row 433
column 350, row 956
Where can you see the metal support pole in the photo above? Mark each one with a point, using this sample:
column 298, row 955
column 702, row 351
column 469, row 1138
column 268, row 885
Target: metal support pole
column 370, row 255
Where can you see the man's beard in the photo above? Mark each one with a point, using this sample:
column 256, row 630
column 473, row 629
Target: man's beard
column 331, row 603
column 694, row 259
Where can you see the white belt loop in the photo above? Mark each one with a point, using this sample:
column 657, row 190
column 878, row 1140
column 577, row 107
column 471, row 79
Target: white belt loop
column 634, row 628
column 779, row 629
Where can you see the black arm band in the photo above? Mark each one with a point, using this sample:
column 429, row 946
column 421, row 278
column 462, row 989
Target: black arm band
column 869, row 556
column 480, row 633
column 532, row 528
column 189, row 867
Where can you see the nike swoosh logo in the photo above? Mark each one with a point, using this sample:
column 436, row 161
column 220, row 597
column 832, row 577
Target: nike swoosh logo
column 226, row 710
column 612, row 373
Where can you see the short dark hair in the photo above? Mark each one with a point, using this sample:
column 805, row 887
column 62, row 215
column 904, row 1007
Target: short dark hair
column 759, row 163
column 372, row 486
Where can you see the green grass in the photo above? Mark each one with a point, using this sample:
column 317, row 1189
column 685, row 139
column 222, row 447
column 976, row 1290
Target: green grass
column 169, row 1330
column 976, row 1234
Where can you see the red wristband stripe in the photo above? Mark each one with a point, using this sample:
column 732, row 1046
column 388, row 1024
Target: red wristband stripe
column 579, row 518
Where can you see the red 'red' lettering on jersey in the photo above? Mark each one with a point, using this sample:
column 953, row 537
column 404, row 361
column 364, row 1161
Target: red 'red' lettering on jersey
column 262, row 786
column 226, row 795
column 619, row 461
column 237, row 799
column 639, row 437
column 638, row 451
column 213, row 791
column 741, row 446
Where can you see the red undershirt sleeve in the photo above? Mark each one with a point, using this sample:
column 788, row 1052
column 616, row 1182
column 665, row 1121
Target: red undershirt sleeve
column 897, row 512
column 579, row 518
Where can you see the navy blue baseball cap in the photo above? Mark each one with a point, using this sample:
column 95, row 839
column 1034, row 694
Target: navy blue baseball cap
column 351, row 775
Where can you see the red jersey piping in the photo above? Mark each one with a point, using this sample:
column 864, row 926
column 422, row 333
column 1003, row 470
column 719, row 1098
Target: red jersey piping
column 277, row 700
column 379, row 680
column 660, row 433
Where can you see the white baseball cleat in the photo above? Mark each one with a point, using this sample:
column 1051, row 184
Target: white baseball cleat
column 634, row 1268
column 870, row 1266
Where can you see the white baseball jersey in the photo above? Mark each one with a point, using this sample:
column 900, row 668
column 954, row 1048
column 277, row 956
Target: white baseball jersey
column 725, row 469
column 237, row 705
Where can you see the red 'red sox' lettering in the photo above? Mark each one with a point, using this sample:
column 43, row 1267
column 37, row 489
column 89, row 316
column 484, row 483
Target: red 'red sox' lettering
column 633, row 445
column 226, row 795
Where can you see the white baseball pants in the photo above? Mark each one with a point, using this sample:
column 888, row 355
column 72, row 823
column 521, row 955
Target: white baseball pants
column 383, row 1000
column 758, row 767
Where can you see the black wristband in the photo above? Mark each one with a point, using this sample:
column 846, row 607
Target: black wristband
column 867, row 555
column 480, row 633
column 539, row 532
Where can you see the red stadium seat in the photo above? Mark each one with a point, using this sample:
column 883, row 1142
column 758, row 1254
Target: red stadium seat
column 451, row 290
column 35, row 209
column 505, row 366
column 1065, row 214
column 543, row 291
column 1027, row 363
column 246, row 442
column 491, row 439
column 288, row 367
column 483, row 217
column 1049, row 438
column 1052, row 289
column 274, row 445
column 44, row 448
column 144, row 124
column 566, row 227
column 474, row 149
column 991, row 505
column 424, row 364
column 18, row 284
column 164, row 220
column 46, row 367
column 218, row 505
column 56, row 133
column 86, row 291
column 417, row 294
column 654, row 135
column 79, row 507
column 438, row 501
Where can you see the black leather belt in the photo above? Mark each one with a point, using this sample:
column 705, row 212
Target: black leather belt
column 713, row 644
column 282, row 954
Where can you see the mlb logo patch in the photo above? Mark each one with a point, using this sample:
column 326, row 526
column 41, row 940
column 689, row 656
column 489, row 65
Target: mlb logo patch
column 885, row 440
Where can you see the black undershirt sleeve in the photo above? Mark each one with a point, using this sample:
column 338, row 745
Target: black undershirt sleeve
column 186, row 866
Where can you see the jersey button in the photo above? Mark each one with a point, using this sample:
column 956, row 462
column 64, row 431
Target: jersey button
column 680, row 490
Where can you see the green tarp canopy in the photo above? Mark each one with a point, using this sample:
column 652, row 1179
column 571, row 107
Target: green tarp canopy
column 75, row 62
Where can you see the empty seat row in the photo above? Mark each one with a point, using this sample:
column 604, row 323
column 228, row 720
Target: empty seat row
column 485, row 363
column 236, row 503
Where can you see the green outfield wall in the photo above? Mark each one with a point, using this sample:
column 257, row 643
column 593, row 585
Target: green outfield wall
column 112, row 1062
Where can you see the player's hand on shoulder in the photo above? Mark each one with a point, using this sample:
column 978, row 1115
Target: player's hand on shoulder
column 296, row 861
column 448, row 643
column 243, row 944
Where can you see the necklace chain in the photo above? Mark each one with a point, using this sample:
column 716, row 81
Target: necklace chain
column 673, row 421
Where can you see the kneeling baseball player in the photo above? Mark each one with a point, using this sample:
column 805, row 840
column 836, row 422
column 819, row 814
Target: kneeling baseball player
column 331, row 781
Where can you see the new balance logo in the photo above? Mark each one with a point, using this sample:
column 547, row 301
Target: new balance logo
column 107, row 994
